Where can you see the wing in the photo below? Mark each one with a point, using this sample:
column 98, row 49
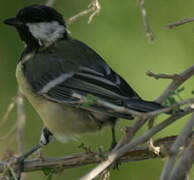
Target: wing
column 75, row 68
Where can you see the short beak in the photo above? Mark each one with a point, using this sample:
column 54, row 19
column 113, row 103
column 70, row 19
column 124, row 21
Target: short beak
column 12, row 21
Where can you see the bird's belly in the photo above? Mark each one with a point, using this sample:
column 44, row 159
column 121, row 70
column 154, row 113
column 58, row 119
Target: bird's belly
column 62, row 120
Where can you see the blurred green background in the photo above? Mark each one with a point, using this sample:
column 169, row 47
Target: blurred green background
column 117, row 34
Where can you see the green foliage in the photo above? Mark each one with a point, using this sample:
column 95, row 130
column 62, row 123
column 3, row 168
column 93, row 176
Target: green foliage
column 48, row 172
column 192, row 92
column 90, row 100
column 174, row 97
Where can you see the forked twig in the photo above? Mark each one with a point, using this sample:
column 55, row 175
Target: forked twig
column 93, row 9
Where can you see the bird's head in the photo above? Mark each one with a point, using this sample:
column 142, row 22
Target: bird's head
column 39, row 25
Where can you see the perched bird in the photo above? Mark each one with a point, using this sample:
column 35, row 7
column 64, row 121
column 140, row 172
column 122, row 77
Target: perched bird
column 54, row 66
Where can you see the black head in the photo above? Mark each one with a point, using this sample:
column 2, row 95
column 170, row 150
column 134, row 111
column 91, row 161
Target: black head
column 38, row 23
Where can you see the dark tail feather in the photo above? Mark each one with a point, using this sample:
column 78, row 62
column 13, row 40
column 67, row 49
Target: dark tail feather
column 143, row 106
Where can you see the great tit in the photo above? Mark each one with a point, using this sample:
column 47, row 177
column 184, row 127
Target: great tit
column 54, row 66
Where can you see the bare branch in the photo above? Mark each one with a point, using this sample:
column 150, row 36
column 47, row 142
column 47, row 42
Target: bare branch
column 143, row 138
column 137, row 154
column 148, row 30
column 181, row 140
column 130, row 132
column 185, row 163
column 180, row 22
column 93, row 9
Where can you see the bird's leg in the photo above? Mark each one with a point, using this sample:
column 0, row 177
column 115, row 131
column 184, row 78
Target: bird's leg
column 44, row 140
column 21, row 158
column 114, row 141
column 46, row 136
column 113, row 144
column 19, row 161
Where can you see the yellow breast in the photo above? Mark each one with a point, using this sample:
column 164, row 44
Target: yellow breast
column 61, row 120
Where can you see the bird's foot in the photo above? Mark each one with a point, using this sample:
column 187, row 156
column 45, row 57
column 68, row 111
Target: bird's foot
column 15, row 165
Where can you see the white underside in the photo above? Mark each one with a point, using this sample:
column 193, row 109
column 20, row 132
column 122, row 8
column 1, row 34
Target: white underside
column 64, row 139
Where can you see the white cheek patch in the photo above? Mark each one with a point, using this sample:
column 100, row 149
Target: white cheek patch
column 46, row 32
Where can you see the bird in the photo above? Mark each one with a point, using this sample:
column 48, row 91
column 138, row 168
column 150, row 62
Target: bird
column 54, row 67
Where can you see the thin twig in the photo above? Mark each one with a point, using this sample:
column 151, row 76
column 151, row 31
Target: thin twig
column 186, row 74
column 86, row 158
column 96, row 6
column 148, row 30
column 180, row 22
column 130, row 132
column 143, row 138
column 178, row 79
column 93, row 9
column 163, row 76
